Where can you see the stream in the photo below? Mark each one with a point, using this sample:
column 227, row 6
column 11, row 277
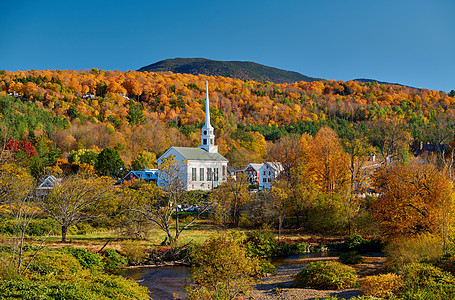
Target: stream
column 163, row 282
column 167, row 282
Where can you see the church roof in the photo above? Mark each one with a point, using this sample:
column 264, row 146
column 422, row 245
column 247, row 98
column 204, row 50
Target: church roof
column 198, row 154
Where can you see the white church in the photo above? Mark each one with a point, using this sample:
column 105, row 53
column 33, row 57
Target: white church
column 203, row 168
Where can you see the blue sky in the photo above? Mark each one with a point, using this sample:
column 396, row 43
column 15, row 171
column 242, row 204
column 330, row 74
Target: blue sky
column 403, row 41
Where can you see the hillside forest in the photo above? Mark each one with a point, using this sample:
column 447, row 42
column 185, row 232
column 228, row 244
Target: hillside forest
column 57, row 112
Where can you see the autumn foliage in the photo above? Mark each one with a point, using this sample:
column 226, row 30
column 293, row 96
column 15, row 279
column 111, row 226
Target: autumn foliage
column 125, row 109
column 413, row 199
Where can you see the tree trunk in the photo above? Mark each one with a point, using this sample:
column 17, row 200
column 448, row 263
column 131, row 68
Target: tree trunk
column 280, row 222
column 176, row 223
column 64, row 232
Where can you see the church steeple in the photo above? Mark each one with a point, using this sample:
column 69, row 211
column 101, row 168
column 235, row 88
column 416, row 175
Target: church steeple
column 207, row 136
column 207, row 109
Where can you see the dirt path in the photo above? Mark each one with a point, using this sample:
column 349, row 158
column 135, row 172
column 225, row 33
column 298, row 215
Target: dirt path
column 279, row 285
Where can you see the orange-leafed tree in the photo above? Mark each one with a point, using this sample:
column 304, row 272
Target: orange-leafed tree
column 329, row 165
column 413, row 199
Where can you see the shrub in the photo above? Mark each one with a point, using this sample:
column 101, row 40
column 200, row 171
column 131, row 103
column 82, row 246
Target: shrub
column 81, row 228
column 326, row 275
column 261, row 244
column 85, row 286
column 36, row 227
column 134, row 251
column 351, row 258
column 413, row 249
column 246, row 220
column 445, row 262
column 266, row 267
column 86, row 258
column 423, row 274
column 55, row 263
column 7, row 271
column 381, row 285
column 112, row 259
column 39, row 227
column 424, row 281
column 354, row 242
column 7, row 226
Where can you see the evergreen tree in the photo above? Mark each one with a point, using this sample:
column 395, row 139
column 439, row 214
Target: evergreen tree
column 109, row 163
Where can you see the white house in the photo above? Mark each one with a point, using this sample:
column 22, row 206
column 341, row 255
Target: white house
column 46, row 186
column 268, row 173
column 202, row 168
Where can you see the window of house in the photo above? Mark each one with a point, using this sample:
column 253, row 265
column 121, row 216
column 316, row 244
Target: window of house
column 201, row 174
column 209, row 174
column 215, row 174
column 193, row 174
column 264, row 180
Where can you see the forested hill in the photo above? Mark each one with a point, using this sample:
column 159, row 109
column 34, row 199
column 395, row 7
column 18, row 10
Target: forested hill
column 365, row 80
column 233, row 69
column 134, row 111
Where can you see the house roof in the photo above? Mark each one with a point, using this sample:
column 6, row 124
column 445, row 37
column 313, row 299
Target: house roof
column 198, row 154
column 144, row 174
column 254, row 166
column 277, row 166
column 48, row 182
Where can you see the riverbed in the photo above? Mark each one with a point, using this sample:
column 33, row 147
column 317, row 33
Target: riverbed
column 167, row 282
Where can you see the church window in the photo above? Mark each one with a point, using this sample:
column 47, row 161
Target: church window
column 209, row 174
column 204, row 141
column 205, row 132
column 201, row 174
column 211, row 141
column 224, row 172
column 215, row 174
column 193, row 174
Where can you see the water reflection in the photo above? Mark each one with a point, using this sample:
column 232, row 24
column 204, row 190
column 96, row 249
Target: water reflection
column 162, row 282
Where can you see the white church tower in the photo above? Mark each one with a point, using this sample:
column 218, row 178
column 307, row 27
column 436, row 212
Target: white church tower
column 203, row 168
column 207, row 136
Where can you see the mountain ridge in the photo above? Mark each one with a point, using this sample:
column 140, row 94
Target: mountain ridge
column 244, row 70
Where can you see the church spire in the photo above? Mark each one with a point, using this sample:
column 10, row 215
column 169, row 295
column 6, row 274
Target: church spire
column 207, row 109
column 207, row 136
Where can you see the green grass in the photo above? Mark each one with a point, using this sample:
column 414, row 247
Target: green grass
column 198, row 233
